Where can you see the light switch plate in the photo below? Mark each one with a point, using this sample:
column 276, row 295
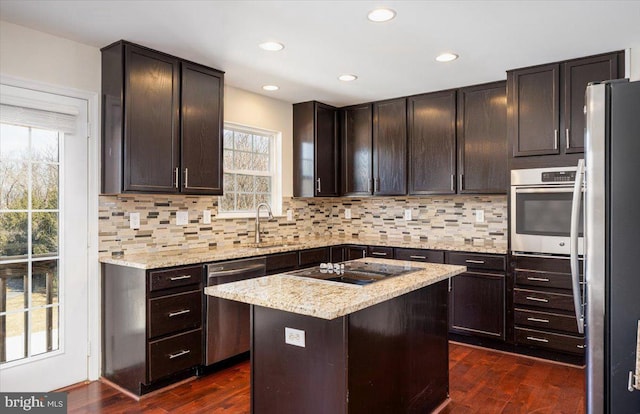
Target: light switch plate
column 134, row 221
column 294, row 337
column 182, row 218
column 479, row 216
column 347, row 213
column 289, row 215
column 206, row 216
column 407, row 214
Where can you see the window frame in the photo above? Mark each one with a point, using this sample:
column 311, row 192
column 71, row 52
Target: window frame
column 275, row 162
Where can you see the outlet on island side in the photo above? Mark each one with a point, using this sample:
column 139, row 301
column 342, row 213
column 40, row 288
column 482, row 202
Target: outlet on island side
column 294, row 337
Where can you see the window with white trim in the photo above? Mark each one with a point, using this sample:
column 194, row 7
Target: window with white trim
column 251, row 171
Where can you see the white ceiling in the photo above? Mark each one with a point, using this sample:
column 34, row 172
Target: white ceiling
column 324, row 39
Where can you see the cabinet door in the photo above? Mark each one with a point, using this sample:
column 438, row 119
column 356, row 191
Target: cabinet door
column 390, row 147
column 357, row 151
column 356, row 252
column 477, row 304
column 201, row 123
column 534, row 113
column 577, row 74
column 152, row 104
column 303, row 150
column 482, row 139
column 327, row 151
column 432, row 143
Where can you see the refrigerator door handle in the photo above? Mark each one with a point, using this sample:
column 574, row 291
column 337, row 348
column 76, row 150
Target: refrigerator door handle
column 575, row 263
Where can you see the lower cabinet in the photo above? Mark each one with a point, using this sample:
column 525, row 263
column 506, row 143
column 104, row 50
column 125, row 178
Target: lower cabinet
column 477, row 296
column 355, row 252
column 152, row 325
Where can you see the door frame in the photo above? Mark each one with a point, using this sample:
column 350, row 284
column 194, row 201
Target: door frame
column 94, row 298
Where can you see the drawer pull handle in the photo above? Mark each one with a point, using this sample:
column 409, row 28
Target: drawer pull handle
column 533, row 338
column 181, row 277
column 474, row 261
column 581, row 346
column 538, row 279
column 538, row 320
column 182, row 312
column 378, row 253
column 179, row 354
column 418, row 257
column 537, row 299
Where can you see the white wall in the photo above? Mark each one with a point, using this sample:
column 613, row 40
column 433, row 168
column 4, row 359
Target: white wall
column 250, row 109
column 37, row 56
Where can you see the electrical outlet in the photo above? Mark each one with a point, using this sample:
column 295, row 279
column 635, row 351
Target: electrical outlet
column 407, row 214
column 289, row 215
column 479, row 216
column 206, row 216
column 134, row 221
column 294, row 337
column 182, row 218
column 347, row 213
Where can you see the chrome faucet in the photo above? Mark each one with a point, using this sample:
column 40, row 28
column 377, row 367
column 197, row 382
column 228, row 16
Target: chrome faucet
column 257, row 241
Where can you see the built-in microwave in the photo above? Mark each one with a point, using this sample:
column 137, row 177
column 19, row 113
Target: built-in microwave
column 541, row 207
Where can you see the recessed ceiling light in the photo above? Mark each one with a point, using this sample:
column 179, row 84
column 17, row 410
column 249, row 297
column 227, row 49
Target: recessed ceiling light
column 381, row 15
column 347, row 77
column 446, row 57
column 271, row 46
column 270, row 87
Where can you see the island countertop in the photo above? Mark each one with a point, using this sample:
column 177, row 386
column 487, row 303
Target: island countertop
column 329, row 300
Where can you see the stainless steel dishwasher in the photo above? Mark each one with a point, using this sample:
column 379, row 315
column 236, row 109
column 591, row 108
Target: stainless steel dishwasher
column 228, row 329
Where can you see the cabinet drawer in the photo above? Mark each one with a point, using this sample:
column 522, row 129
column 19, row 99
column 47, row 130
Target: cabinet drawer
column 420, row 255
column 558, row 342
column 182, row 276
column 381, row 252
column 313, row 257
column 282, row 262
column 175, row 313
column 545, row 300
column 356, row 252
column 543, row 279
column 174, row 354
column 546, row 320
column 477, row 260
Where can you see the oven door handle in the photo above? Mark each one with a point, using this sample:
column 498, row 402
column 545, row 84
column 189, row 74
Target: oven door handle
column 575, row 264
column 551, row 189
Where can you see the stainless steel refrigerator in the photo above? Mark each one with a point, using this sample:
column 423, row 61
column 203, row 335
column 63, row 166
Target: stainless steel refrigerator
column 609, row 302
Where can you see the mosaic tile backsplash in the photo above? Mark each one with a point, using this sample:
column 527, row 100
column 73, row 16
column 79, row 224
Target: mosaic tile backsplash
column 438, row 218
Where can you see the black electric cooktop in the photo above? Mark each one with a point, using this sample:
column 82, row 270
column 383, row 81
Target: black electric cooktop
column 355, row 273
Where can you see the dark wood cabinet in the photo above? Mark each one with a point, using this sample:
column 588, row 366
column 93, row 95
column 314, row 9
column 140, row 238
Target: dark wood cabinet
column 577, row 75
column 313, row 257
column 152, row 328
column 154, row 107
column 201, row 127
column 355, row 252
column 390, row 147
column 381, row 252
column 316, row 150
column 544, row 315
column 477, row 296
column 432, row 143
column 419, row 255
column 357, row 150
column 546, row 108
column 482, row 139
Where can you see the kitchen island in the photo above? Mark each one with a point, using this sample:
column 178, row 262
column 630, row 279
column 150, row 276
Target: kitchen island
column 319, row 346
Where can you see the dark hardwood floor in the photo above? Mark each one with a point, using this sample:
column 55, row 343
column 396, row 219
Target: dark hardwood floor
column 481, row 381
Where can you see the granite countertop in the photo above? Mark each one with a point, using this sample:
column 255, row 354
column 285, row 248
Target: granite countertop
column 326, row 299
column 160, row 259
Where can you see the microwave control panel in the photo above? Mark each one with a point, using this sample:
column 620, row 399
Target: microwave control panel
column 558, row 176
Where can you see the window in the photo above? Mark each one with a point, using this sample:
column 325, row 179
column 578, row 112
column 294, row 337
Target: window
column 251, row 171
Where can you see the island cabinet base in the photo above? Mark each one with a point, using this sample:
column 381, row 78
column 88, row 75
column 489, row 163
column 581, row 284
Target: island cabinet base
column 389, row 358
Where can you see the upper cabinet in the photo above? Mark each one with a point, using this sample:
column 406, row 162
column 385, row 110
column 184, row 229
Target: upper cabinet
column 357, row 150
column 482, row 139
column 161, row 123
column 546, row 108
column 316, row 150
column 432, row 143
column 390, row 147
